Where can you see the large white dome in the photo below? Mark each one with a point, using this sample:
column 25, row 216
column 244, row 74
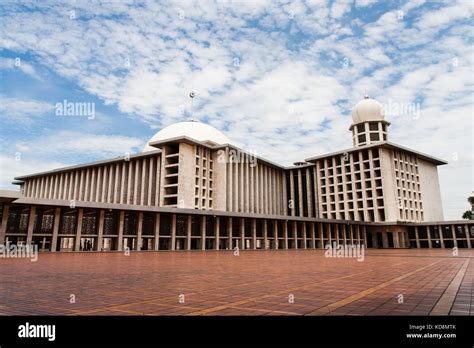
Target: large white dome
column 191, row 129
column 367, row 110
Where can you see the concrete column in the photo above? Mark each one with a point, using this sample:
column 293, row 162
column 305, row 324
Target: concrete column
column 403, row 240
column 189, row 222
column 31, row 224
column 257, row 201
column 151, row 171
column 441, row 237
column 55, row 186
column 321, row 236
column 104, row 185
column 217, row 229
column 100, row 232
column 81, row 186
column 240, row 175
column 44, row 187
column 251, row 188
column 292, row 194
column 336, row 226
column 138, row 244
column 365, row 234
column 117, row 181
column 229, row 192
column 313, row 235
column 173, row 231
column 351, row 233
column 242, row 233
column 266, row 191
column 129, row 199
column 62, row 186
column 92, row 189
column 157, row 231
column 80, row 215
column 317, row 196
column 295, row 235
column 87, row 185
column 97, row 185
column 229, row 233
column 396, row 241
column 265, row 234
column 202, row 225
column 309, row 194
column 247, row 188
column 328, row 231
column 428, row 233
column 143, row 188
column 453, row 232
column 285, row 233
column 375, row 241
column 300, row 193
column 57, row 220
column 385, row 239
column 123, row 185
column 3, row 226
column 136, row 184
column 466, row 231
column 278, row 193
column 120, row 230
column 158, row 186
column 254, row 234
column 284, row 194
column 272, row 192
column 275, row 234
column 304, row 236
column 417, row 237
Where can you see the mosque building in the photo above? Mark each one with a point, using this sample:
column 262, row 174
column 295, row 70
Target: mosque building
column 190, row 189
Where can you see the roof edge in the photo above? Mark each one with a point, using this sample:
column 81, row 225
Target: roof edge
column 87, row 165
column 421, row 155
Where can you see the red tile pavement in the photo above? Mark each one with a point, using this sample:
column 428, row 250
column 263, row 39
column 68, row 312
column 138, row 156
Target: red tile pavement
column 294, row 282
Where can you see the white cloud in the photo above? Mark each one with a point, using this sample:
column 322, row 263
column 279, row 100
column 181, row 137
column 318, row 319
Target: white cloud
column 446, row 15
column 364, row 3
column 274, row 99
column 23, row 111
column 13, row 165
column 18, row 65
column 339, row 8
column 71, row 144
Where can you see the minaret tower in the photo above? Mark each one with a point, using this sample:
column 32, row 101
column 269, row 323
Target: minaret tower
column 368, row 123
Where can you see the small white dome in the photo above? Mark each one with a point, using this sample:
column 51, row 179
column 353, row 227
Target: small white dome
column 191, row 129
column 367, row 110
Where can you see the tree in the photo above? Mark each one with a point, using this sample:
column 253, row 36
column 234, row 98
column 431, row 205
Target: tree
column 469, row 214
column 471, row 202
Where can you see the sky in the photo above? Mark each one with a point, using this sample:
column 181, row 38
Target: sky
column 278, row 78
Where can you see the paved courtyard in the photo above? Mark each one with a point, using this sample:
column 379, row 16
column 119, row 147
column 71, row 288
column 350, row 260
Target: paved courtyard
column 296, row 282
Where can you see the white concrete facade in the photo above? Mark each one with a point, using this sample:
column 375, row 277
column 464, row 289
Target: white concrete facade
column 375, row 181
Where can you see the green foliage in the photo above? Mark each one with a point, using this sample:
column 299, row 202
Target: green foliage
column 468, row 215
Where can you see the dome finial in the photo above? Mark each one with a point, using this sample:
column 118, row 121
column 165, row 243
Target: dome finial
column 366, row 96
column 192, row 94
